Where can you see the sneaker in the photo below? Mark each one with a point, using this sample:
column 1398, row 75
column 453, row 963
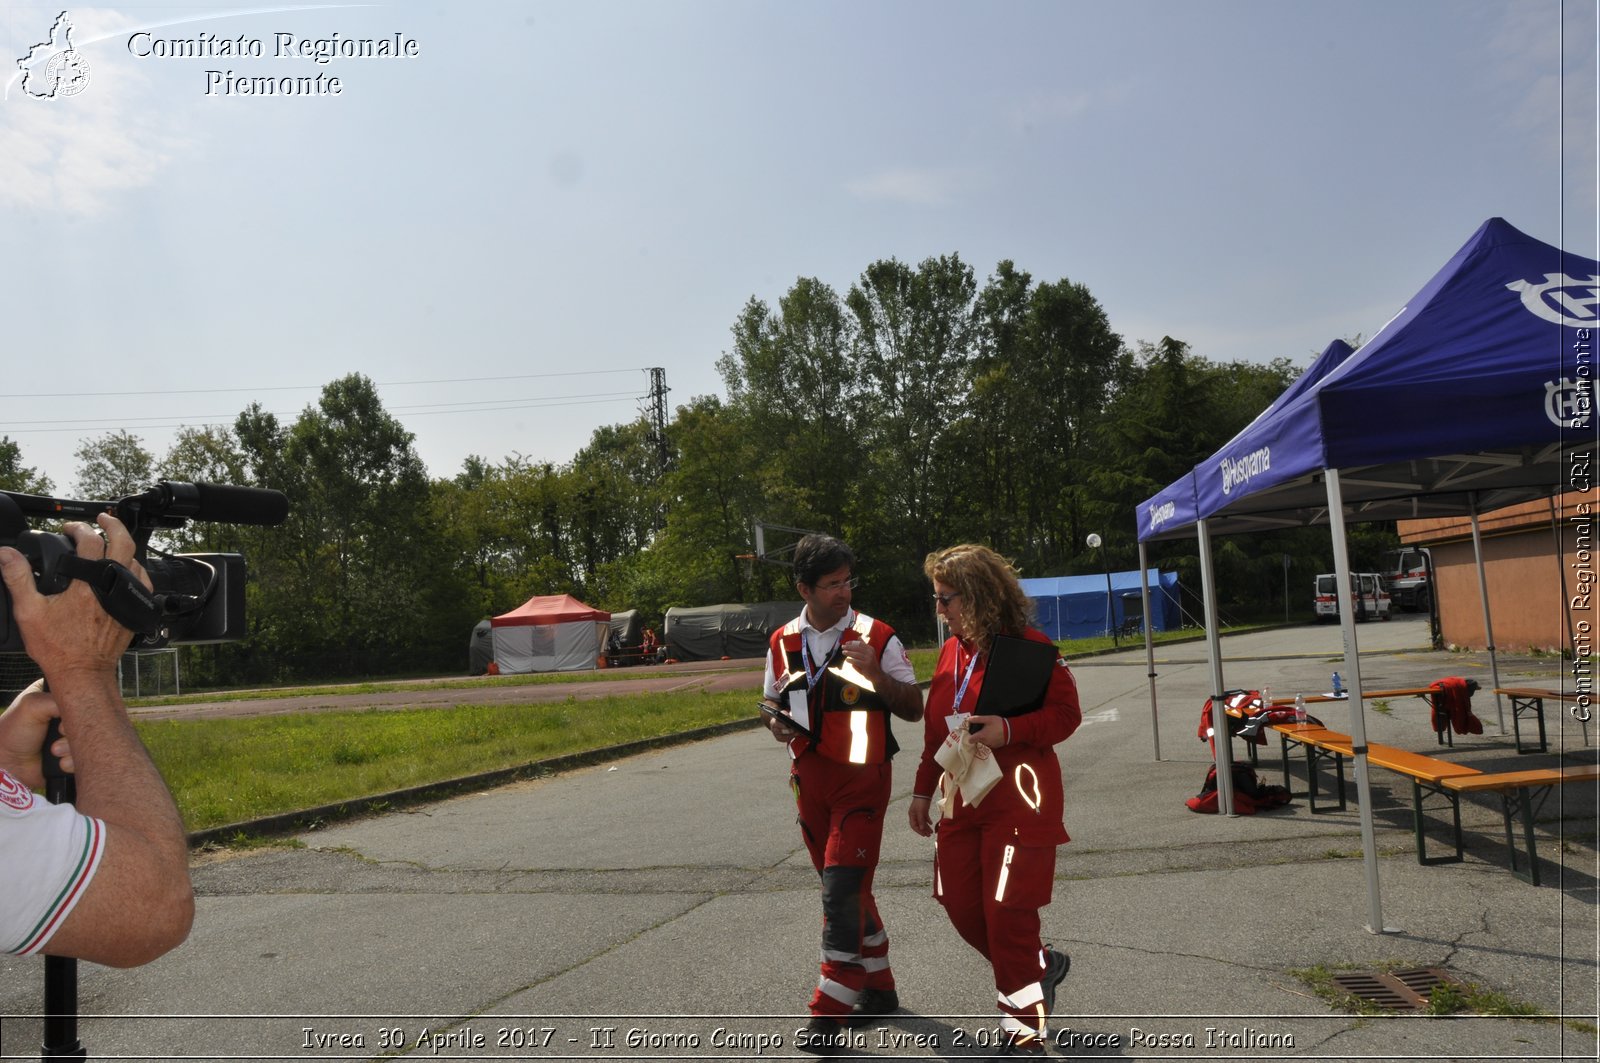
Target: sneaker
column 878, row 1002
column 1059, row 963
column 822, row 1036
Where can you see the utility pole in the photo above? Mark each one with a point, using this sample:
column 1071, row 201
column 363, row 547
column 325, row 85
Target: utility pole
column 657, row 413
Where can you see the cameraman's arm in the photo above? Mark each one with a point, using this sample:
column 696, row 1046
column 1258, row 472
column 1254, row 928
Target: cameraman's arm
column 139, row 903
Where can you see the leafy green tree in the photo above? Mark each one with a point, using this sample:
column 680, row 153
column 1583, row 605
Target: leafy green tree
column 15, row 476
column 113, row 466
column 793, row 378
column 359, row 537
column 914, row 342
column 614, row 494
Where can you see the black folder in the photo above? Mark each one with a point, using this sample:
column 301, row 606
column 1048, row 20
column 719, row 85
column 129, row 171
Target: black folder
column 781, row 714
column 1016, row 677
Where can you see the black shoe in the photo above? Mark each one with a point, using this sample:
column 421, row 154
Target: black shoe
column 822, row 1036
column 1059, row 963
column 878, row 1002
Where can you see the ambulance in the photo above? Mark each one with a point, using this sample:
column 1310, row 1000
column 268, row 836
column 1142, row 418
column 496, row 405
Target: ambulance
column 1369, row 597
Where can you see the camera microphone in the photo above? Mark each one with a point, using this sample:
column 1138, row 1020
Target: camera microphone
column 227, row 504
column 222, row 503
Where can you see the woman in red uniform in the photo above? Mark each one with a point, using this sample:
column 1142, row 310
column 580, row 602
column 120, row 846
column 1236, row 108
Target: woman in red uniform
column 994, row 862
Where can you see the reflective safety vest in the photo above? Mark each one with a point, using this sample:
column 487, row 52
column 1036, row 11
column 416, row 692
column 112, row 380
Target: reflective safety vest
column 850, row 724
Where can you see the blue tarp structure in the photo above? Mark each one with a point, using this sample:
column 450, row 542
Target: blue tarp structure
column 1074, row 607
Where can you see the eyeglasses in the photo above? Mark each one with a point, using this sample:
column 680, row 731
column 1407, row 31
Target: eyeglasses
column 841, row 585
column 946, row 599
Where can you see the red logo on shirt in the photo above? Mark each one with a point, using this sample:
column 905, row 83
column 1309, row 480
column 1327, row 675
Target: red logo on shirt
column 13, row 794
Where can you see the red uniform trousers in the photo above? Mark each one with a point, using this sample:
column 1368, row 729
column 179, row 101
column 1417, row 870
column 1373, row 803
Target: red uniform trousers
column 992, row 887
column 841, row 817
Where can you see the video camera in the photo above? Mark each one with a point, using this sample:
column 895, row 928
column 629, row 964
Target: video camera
column 193, row 598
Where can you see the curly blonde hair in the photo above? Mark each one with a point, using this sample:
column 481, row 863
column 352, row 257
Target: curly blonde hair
column 992, row 601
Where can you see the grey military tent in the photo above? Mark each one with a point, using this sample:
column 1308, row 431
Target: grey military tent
column 480, row 649
column 711, row 632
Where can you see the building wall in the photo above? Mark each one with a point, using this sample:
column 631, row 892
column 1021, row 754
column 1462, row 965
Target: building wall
column 1537, row 596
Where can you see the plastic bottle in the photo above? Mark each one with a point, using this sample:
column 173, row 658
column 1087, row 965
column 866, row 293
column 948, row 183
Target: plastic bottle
column 1338, row 686
column 1266, row 698
column 1299, row 708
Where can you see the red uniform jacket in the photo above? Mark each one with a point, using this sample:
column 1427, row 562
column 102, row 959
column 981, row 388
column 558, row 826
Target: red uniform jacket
column 1028, row 796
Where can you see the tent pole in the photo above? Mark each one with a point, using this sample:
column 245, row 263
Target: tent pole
column 1358, row 722
column 1221, row 744
column 1488, row 624
column 1149, row 645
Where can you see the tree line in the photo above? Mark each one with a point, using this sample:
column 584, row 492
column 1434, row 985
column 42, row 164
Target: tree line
column 919, row 408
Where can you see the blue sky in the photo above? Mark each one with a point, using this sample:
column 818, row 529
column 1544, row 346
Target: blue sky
column 551, row 197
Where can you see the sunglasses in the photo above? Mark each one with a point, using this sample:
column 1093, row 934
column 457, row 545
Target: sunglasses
column 946, row 599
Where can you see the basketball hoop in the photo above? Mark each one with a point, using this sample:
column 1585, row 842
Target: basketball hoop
column 747, row 565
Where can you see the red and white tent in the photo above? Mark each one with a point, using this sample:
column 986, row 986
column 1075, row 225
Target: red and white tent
column 549, row 633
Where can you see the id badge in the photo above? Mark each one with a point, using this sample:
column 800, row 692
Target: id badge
column 799, row 708
column 956, row 720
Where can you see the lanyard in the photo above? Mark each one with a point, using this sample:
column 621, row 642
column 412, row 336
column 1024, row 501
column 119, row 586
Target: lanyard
column 961, row 691
column 814, row 677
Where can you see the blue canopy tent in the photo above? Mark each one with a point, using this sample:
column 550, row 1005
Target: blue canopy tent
column 1173, row 512
column 1074, row 607
column 1477, row 394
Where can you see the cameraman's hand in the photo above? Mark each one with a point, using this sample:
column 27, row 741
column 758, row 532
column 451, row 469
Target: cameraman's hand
column 69, row 634
column 22, row 731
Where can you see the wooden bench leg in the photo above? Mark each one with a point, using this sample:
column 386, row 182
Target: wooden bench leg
column 1417, row 819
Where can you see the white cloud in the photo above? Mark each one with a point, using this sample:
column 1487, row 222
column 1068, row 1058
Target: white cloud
column 76, row 154
column 917, row 187
column 1049, row 110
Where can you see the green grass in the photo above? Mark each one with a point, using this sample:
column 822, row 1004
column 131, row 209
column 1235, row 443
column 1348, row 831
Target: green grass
column 393, row 686
column 231, row 770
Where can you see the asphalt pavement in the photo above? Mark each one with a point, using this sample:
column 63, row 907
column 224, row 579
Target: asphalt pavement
column 662, row 906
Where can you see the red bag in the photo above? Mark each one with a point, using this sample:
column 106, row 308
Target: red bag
column 1250, row 794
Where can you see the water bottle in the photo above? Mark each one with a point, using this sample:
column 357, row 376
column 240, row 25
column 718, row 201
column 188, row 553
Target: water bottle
column 1338, row 686
column 1299, row 708
column 1266, row 698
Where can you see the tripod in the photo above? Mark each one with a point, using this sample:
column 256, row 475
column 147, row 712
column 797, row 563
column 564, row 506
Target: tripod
column 60, row 972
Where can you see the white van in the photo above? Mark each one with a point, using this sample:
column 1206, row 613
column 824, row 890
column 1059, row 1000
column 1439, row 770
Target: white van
column 1369, row 597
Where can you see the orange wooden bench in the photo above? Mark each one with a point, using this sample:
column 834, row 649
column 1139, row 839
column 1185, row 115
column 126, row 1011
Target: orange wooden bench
column 1522, row 793
column 1529, row 701
column 1428, row 776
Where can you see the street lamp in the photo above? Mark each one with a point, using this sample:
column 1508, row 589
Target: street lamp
column 1096, row 543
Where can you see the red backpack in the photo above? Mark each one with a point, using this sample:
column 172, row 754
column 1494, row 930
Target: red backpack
column 1250, row 794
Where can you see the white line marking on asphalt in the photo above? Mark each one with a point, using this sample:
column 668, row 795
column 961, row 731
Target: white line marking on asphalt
column 1110, row 715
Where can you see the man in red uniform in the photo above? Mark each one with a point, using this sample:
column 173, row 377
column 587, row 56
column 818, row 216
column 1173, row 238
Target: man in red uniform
column 840, row 771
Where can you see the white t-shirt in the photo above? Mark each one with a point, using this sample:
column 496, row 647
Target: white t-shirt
column 48, row 854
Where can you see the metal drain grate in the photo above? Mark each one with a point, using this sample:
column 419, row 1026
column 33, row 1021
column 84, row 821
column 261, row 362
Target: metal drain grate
column 1395, row 990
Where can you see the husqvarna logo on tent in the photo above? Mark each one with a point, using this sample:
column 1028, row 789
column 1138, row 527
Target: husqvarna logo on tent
column 1566, row 403
column 1565, row 300
column 1159, row 515
column 1238, row 471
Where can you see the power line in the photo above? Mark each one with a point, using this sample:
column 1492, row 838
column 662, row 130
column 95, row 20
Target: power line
column 226, row 420
column 308, row 387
